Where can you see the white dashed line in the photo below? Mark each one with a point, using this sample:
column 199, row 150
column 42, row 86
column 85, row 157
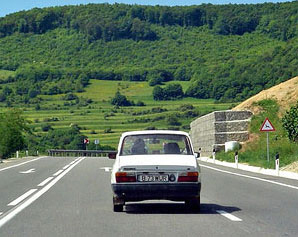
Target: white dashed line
column 228, row 215
column 58, row 172
column 21, row 198
column 107, row 169
column 45, row 181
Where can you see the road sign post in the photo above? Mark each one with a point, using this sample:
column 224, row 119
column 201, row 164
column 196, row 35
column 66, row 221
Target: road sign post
column 96, row 142
column 267, row 127
column 86, row 141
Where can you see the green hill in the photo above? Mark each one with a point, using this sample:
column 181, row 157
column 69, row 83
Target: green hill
column 228, row 52
column 63, row 65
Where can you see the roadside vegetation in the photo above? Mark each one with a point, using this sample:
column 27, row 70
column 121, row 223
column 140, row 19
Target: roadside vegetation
column 281, row 141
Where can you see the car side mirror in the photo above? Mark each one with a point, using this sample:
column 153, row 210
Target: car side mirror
column 112, row 155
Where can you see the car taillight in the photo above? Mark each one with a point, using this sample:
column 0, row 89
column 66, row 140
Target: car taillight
column 124, row 177
column 188, row 177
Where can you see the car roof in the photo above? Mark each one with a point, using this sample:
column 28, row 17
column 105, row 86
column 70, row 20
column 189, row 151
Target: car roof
column 154, row 132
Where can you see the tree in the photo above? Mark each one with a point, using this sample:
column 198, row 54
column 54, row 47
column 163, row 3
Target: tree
column 290, row 123
column 120, row 100
column 12, row 128
column 158, row 93
column 173, row 91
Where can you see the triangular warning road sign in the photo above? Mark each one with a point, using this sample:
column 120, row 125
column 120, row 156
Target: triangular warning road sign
column 267, row 126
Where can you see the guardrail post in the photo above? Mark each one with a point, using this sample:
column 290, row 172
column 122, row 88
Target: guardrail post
column 236, row 159
column 277, row 163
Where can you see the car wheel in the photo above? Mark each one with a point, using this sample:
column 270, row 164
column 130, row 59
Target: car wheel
column 193, row 204
column 118, row 208
column 118, row 204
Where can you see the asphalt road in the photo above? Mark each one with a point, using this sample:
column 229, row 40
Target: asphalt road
column 72, row 197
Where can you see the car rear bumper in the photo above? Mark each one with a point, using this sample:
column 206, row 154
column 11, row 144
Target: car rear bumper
column 174, row 192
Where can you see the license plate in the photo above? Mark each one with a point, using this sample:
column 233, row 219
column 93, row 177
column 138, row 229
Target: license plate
column 153, row 178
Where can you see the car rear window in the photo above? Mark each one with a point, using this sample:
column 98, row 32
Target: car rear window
column 156, row 144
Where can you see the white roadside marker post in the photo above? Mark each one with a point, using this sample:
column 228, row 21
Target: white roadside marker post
column 236, row 159
column 277, row 163
column 17, row 154
column 213, row 155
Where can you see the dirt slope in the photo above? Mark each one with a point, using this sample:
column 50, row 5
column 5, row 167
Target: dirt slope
column 285, row 93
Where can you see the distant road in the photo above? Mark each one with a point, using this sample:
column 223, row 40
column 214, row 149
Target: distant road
column 72, row 197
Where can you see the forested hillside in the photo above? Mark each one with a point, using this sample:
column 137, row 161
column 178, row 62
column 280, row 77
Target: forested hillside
column 228, row 52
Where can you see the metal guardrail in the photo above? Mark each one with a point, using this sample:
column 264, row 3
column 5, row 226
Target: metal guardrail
column 77, row 153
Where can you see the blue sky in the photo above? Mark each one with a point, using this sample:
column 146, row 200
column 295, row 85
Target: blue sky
column 11, row 6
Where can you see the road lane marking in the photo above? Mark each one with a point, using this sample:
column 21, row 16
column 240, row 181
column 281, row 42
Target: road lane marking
column 72, row 162
column 1, row 213
column 21, row 198
column 107, row 169
column 65, row 167
column 45, row 181
column 27, row 171
column 251, row 177
column 22, row 163
column 58, row 172
column 35, row 196
column 228, row 215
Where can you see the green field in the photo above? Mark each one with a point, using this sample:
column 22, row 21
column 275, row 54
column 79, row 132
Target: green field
column 99, row 116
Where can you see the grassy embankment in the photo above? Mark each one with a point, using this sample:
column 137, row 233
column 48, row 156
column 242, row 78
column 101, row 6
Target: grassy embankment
column 254, row 152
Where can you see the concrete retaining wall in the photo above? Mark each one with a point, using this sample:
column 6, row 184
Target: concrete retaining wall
column 213, row 130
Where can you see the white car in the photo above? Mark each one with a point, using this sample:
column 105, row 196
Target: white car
column 155, row 165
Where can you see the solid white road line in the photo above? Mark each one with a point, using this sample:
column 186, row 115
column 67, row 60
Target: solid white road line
column 58, row 172
column 35, row 196
column 45, row 181
column 21, row 198
column 65, row 167
column 228, row 215
column 251, row 177
column 22, row 163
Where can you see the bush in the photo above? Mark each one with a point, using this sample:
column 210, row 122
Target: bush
column 140, row 103
column 46, row 127
column 170, row 92
column 70, row 96
column 290, row 123
column 108, row 130
column 173, row 120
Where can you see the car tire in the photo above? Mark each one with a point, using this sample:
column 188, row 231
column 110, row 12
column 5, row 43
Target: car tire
column 118, row 208
column 118, row 204
column 194, row 204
